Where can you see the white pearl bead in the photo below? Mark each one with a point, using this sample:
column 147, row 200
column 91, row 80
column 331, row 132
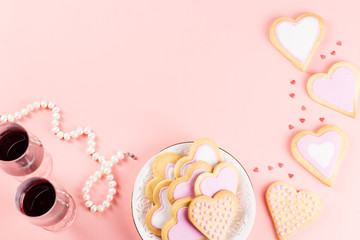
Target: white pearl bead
column 55, row 123
column 93, row 178
column 112, row 183
column 93, row 208
column 90, row 150
column 120, row 155
column 56, row 110
column 74, row 134
column 91, row 135
column 80, row 130
column 107, row 164
column 101, row 159
column 98, row 174
column 109, row 197
column 87, row 130
column 56, row 116
column 107, row 171
column 55, row 129
column 51, row 105
column 43, row 104
column 66, row 136
column 100, row 208
column 89, row 203
column 36, row 105
column 91, row 143
column 30, row 107
column 3, row 118
column 88, row 183
column 95, row 156
column 17, row 115
column 114, row 159
column 85, row 190
column 24, row 112
column 110, row 177
column 86, row 196
column 60, row 134
column 10, row 118
column 112, row 191
column 106, row 203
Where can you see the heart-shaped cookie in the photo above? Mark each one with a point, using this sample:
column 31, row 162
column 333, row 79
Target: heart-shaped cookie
column 298, row 39
column 213, row 216
column 224, row 177
column 291, row 210
column 320, row 153
column 338, row 89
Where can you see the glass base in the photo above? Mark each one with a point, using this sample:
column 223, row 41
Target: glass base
column 69, row 217
column 43, row 171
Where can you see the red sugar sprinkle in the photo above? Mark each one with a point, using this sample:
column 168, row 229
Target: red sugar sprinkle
column 292, row 95
column 291, row 127
column 256, row 169
column 322, row 56
column 322, row 119
column 339, row 43
column 293, row 82
column 333, row 53
column 302, row 120
column 270, row 168
column 303, row 108
column 280, row 165
column 291, row 175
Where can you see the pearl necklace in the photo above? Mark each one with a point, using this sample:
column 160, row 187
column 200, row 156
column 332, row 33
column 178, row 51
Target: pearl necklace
column 106, row 166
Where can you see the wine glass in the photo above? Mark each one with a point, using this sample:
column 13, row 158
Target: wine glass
column 21, row 154
column 45, row 204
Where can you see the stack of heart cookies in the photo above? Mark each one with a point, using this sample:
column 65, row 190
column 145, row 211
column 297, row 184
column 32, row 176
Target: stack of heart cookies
column 194, row 196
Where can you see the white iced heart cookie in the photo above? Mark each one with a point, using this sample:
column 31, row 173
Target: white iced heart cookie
column 298, row 39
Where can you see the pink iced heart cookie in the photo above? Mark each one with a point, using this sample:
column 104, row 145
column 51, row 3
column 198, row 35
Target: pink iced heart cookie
column 320, row 153
column 179, row 226
column 298, row 39
column 338, row 89
column 225, row 176
column 203, row 149
column 213, row 216
column 291, row 210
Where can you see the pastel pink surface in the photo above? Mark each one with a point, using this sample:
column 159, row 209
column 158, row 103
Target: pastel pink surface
column 326, row 166
column 186, row 189
column 147, row 74
column 225, row 180
column 184, row 229
column 338, row 90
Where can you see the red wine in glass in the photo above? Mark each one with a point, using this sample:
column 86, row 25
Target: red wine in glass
column 21, row 154
column 45, row 204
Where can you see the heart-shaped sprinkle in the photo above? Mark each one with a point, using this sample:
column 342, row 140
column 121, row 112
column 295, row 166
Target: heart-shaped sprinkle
column 338, row 89
column 323, row 56
column 291, row 210
column 333, row 53
column 280, row 165
column 293, row 82
column 339, row 43
column 213, row 216
column 322, row 119
column 302, row 120
column 291, row 175
column 270, row 168
column 303, row 108
column 256, row 169
column 292, row 95
column 291, row 127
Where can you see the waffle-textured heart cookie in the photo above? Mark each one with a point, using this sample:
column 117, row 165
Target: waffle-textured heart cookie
column 163, row 168
column 338, row 89
column 203, row 149
column 225, row 176
column 298, row 39
column 291, row 210
column 320, row 153
column 213, row 216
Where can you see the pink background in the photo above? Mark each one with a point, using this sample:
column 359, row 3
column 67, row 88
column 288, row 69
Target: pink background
column 148, row 74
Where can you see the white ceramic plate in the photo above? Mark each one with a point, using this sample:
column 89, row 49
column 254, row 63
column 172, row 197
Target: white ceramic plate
column 243, row 222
